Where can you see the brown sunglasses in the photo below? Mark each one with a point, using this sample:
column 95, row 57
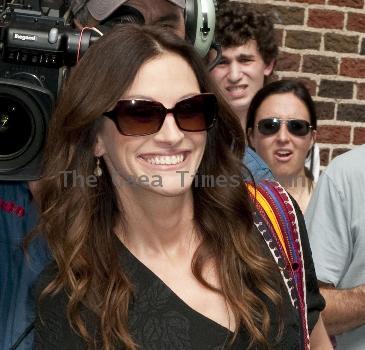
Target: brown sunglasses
column 135, row 117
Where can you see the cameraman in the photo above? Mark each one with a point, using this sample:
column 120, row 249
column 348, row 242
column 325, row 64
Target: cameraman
column 18, row 213
column 165, row 13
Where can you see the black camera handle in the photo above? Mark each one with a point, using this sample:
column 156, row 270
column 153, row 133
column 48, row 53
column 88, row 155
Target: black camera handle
column 36, row 5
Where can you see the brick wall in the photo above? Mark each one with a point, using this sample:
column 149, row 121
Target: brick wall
column 323, row 44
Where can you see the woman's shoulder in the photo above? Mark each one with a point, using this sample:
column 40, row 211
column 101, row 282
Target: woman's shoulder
column 51, row 326
column 49, row 303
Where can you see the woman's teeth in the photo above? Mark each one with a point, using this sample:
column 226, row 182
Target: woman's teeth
column 283, row 153
column 165, row 160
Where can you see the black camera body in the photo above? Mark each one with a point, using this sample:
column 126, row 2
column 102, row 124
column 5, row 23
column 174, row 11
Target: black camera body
column 36, row 51
column 37, row 47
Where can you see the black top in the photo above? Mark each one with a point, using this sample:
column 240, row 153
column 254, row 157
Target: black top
column 159, row 319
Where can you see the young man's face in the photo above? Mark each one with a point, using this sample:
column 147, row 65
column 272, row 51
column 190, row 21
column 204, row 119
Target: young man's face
column 161, row 12
column 241, row 74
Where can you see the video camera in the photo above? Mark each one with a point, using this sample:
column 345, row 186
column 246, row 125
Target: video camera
column 37, row 46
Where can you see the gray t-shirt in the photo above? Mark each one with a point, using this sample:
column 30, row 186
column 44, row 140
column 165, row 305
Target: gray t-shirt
column 335, row 220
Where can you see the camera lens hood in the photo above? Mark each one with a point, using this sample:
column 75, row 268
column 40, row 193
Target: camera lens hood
column 24, row 114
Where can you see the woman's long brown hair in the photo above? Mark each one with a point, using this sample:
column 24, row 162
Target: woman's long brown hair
column 77, row 219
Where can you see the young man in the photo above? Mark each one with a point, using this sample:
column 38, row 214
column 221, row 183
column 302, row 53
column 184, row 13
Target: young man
column 336, row 227
column 249, row 52
column 18, row 213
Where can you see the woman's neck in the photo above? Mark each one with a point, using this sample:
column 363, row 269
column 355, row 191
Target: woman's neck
column 157, row 224
column 300, row 187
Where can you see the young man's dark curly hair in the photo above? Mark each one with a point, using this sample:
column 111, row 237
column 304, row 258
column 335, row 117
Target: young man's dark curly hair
column 237, row 23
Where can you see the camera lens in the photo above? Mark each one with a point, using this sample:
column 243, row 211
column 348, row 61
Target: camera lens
column 16, row 126
column 24, row 114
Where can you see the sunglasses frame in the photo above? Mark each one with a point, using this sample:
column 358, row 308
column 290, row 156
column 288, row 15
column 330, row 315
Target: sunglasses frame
column 113, row 114
column 287, row 122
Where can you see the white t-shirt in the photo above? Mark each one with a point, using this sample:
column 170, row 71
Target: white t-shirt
column 335, row 219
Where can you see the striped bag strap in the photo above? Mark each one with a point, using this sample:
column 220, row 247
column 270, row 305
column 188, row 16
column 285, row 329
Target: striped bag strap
column 275, row 218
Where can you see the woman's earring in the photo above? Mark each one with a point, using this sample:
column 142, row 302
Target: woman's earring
column 98, row 171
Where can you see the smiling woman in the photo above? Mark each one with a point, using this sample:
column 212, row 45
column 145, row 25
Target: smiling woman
column 177, row 264
column 167, row 149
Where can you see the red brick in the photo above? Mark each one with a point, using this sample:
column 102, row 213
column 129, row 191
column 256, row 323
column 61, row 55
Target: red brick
column 325, row 110
column 311, row 85
column 333, row 134
column 324, row 155
column 338, row 151
column 341, row 43
column 353, row 67
column 356, row 22
column 309, row 1
column 359, row 136
column 279, row 35
column 347, row 3
column 325, row 19
column 288, row 62
column 320, row 64
column 361, row 91
column 288, row 15
column 300, row 39
column 351, row 112
column 336, row 89
column 283, row 14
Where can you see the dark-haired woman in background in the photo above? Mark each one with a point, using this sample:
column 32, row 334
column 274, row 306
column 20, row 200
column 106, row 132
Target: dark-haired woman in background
column 281, row 127
column 148, row 254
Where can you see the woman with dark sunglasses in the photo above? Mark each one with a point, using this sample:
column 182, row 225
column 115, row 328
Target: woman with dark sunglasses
column 281, row 127
column 147, row 253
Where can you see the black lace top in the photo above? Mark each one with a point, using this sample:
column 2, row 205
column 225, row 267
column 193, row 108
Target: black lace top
column 160, row 320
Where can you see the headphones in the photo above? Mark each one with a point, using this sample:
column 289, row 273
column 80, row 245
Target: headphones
column 199, row 23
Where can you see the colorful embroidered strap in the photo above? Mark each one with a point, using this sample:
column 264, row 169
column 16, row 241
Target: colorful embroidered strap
column 276, row 220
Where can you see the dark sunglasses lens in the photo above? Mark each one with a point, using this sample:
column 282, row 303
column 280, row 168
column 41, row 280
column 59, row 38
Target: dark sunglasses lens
column 136, row 117
column 298, row 127
column 268, row 126
column 196, row 113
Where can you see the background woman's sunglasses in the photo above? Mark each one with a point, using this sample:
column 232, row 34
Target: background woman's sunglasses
column 297, row 127
column 143, row 117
